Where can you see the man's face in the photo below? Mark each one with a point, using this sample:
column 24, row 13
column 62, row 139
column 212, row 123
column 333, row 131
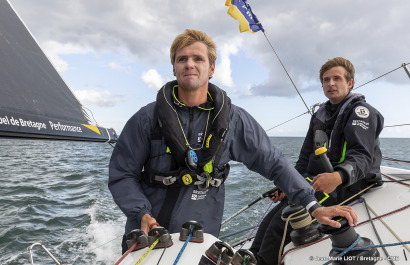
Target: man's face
column 191, row 67
column 335, row 86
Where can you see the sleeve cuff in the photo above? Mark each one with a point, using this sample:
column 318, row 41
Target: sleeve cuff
column 140, row 215
column 311, row 207
column 348, row 175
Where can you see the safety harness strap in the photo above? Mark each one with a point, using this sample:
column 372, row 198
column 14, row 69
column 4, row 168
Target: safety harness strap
column 184, row 177
column 164, row 216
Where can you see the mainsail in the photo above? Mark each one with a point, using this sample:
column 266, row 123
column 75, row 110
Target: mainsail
column 35, row 102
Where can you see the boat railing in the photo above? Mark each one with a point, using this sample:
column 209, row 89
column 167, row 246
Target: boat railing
column 30, row 250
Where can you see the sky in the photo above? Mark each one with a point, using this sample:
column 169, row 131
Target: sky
column 114, row 55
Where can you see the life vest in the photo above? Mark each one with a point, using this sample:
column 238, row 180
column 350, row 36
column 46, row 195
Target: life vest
column 205, row 174
column 335, row 144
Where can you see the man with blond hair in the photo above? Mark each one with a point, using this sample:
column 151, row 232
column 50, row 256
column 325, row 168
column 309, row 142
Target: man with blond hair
column 171, row 159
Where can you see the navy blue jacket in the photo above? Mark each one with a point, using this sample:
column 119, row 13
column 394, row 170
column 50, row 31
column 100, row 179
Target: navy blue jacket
column 246, row 142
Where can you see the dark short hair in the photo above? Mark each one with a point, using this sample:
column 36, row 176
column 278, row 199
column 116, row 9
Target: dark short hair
column 338, row 61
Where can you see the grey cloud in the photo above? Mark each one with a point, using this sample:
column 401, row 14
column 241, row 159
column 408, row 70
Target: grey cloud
column 372, row 34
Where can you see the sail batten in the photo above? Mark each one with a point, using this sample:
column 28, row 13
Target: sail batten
column 35, row 102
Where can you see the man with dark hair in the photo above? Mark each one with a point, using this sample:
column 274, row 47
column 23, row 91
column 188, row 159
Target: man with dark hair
column 349, row 128
column 171, row 159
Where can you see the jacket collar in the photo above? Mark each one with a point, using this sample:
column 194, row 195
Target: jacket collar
column 208, row 105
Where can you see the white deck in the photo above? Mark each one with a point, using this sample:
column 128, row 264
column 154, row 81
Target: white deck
column 389, row 197
column 191, row 255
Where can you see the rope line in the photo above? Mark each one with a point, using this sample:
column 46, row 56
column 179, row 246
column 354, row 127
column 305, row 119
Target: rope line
column 352, row 248
column 374, row 246
column 375, row 230
column 126, row 253
column 161, row 256
column 183, row 247
column 394, row 159
column 388, row 227
column 284, row 233
column 345, row 250
column 395, row 180
column 148, row 251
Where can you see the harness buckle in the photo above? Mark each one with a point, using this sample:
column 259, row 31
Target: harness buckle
column 215, row 182
column 169, row 180
column 204, row 178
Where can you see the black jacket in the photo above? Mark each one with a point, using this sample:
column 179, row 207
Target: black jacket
column 351, row 127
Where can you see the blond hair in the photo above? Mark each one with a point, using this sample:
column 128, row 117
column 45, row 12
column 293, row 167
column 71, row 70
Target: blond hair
column 190, row 36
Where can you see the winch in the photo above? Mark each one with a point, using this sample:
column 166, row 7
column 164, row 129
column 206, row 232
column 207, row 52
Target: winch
column 344, row 237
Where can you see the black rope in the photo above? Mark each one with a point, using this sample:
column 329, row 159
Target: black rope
column 396, row 181
column 395, row 160
column 375, row 230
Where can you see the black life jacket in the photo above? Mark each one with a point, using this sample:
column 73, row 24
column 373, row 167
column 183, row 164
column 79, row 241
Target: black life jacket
column 206, row 174
column 335, row 143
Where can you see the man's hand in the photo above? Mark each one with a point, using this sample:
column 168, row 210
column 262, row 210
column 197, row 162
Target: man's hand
column 146, row 221
column 277, row 196
column 327, row 182
column 324, row 215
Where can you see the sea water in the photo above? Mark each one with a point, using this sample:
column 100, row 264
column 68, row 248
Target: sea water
column 55, row 192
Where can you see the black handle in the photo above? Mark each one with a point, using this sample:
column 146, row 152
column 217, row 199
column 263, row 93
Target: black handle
column 325, row 160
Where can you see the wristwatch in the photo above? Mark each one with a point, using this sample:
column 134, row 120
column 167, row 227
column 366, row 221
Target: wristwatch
column 314, row 207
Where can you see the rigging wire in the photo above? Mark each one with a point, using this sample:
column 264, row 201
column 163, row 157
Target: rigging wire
column 288, row 121
column 397, row 125
column 317, row 104
column 92, row 115
column 290, row 78
column 403, row 65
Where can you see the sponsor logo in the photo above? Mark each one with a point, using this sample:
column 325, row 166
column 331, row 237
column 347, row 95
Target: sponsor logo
column 362, row 112
column 361, row 123
column 198, row 195
column 200, row 137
